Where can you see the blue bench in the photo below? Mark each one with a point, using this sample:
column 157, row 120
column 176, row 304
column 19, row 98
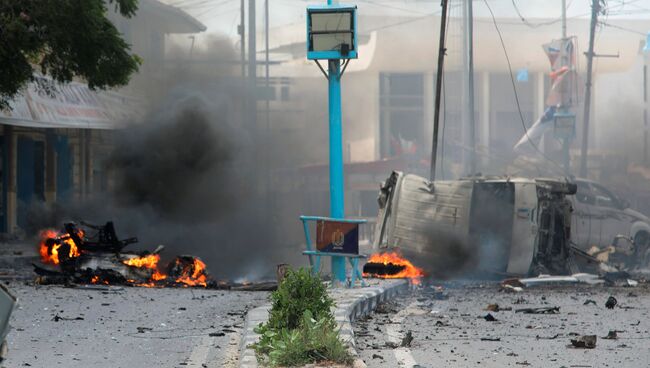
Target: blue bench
column 315, row 255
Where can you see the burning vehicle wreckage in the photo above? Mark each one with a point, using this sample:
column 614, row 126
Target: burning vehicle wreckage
column 479, row 226
column 91, row 254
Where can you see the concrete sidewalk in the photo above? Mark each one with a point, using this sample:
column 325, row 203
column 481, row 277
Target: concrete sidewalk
column 350, row 305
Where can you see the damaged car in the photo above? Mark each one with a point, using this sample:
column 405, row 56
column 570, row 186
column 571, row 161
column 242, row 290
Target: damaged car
column 477, row 225
column 604, row 220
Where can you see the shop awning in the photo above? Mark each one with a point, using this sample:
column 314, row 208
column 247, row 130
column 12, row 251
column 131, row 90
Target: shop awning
column 45, row 104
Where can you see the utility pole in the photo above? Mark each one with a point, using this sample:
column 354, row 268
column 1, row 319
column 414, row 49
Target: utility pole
column 564, row 106
column 252, row 92
column 436, row 113
column 468, row 83
column 646, row 50
column 267, row 135
column 252, row 62
column 266, row 64
column 242, row 35
column 242, row 44
column 563, row 19
column 595, row 9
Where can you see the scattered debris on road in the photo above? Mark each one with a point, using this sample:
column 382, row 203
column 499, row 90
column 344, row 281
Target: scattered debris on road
column 490, row 339
column 496, row 308
column 612, row 335
column 489, row 317
column 584, row 342
column 611, row 302
column 58, row 318
column 547, row 338
column 540, row 310
column 407, row 340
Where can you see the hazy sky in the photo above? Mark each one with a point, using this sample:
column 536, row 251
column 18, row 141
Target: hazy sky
column 222, row 16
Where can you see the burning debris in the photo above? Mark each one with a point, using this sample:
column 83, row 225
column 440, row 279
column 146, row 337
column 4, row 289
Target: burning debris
column 392, row 266
column 91, row 254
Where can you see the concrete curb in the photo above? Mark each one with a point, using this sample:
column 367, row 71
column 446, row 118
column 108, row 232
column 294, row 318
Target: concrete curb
column 350, row 305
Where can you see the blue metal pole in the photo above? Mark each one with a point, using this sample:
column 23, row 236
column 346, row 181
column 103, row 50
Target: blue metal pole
column 337, row 206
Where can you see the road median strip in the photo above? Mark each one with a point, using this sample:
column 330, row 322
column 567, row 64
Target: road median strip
column 350, row 305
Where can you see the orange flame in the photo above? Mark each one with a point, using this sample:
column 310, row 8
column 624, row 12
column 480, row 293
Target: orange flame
column 157, row 276
column 96, row 280
column 409, row 271
column 194, row 275
column 148, row 261
column 151, row 262
column 51, row 254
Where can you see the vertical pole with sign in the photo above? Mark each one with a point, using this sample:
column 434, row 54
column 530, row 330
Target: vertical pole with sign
column 331, row 36
column 337, row 187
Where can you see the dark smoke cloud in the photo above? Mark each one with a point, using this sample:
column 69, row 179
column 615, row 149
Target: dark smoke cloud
column 182, row 176
column 177, row 163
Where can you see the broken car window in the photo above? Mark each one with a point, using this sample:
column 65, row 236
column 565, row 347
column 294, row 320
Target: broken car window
column 584, row 194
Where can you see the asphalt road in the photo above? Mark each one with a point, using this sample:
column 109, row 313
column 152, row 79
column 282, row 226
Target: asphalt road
column 135, row 327
column 449, row 332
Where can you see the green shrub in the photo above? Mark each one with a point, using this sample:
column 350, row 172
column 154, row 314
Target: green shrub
column 298, row 292
column 301, row 328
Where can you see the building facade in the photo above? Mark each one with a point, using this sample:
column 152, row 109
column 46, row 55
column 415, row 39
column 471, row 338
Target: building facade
column 53, row 145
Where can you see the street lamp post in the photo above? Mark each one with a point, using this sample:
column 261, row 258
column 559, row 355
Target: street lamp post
column 646, row 55
column 331, row 36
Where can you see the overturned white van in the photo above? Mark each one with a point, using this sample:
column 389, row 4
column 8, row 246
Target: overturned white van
column 477, row 225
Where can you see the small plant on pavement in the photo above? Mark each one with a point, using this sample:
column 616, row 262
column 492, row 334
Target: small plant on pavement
column 301, row 328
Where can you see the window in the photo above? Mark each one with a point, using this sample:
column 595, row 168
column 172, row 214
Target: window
column 584, row 195
column 604, row 197
column 401, row 103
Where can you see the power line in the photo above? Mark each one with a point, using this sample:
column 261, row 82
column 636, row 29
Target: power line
column 536, row 25
column 186, row 3
column 622, row 28
column 190, row 5
column 407, row 21
column 514, row 89
column 392, row 7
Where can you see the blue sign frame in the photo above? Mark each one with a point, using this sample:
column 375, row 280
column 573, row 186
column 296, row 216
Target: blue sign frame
column 332, row 54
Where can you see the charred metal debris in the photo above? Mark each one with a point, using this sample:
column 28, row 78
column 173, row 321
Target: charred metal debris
column 83, row 253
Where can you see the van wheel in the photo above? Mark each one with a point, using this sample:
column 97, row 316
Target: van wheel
column 641, row 246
